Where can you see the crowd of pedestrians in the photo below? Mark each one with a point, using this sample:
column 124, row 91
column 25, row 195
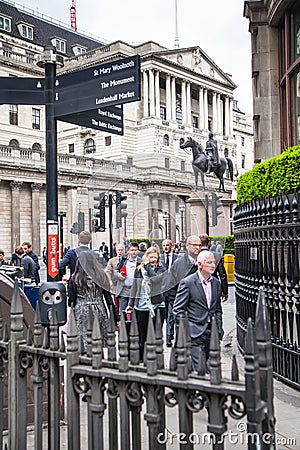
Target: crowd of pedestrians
column 148, row 281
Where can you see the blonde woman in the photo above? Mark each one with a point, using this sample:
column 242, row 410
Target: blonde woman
column 146, row 296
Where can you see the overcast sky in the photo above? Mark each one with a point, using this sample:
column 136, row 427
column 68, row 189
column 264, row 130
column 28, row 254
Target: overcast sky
column 216, row 26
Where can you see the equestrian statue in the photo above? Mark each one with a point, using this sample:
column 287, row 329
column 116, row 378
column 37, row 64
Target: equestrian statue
column 205, row 162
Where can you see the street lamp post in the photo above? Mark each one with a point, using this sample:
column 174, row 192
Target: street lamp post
column 182, row 211
column 166, row 217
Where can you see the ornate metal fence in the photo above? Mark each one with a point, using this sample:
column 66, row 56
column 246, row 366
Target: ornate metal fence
column 267, row 235
column 122, row 395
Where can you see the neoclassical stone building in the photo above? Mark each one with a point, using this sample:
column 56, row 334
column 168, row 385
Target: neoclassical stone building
column 183, row 93
column 275, row 37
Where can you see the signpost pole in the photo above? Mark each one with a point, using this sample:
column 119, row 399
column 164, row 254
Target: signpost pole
column 48, row 60
column 110, row 225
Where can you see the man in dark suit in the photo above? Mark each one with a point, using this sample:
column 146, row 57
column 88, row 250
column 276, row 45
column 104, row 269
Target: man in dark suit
column 27, row 247
column 71, row 256
column 184, row 265
column 104, row 250
column 220, row 271
column 200, row 296
column 168, row 257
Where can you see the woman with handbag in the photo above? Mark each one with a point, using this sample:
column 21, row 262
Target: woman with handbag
column 146, row 295
column 89, row 294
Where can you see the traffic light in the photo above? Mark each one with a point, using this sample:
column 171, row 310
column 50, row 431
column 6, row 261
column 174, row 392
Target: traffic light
column 100, row 210
column 215, row 205
column 95, row 225
column 119, row 207
column 80, row 221
column 74, row 228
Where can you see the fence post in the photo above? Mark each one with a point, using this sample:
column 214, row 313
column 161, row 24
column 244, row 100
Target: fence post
column 264, row 346
column 17, row 419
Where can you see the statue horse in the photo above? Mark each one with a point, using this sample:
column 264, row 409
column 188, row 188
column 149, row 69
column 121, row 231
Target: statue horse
column 200, row 163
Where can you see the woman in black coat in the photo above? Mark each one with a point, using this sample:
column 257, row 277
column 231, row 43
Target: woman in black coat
column 146, row 295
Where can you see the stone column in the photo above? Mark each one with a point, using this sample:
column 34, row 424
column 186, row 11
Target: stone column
column 157, row 95
column 173, row 99
column 205, row 109
column 15, row 187
column 155, row 229
column 151, row 93
column 219, row 114
column 172, row 218
column 168, row 98
column 230, row 117
column 36, row 217
column 201, row 109
column 183, row 101
column 214, row 113
column 146, row 93
column 226, row 116
column 188, row 105
column 187, row 213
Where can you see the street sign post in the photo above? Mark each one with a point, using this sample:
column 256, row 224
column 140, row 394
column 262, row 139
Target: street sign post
column 108, row 84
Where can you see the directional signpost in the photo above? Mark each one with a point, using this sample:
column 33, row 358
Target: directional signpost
column 91, row 97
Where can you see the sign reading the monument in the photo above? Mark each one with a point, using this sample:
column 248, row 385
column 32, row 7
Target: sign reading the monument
column 109, row 119
column 108, row 84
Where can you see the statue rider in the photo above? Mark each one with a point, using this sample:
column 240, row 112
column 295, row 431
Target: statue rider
column 212, row 153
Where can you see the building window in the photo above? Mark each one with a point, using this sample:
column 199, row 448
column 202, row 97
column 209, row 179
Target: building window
column 13, row 114
column 195, row 121
column 107, row 141
column 60, row 45
column 167, row 163
column 13, row 143
column 129, row 160
column 182, row 166
column 36, row 146
column 178, row 114
column 26, row 31
column 89, row 146
column 29, row 57
column 166, row 140
column 243, row 161
column 242, row 141
column 36, row 119
column 79, row 50
column 71, row 148
column 5, row 23
column 6, row 50
column 163, row 113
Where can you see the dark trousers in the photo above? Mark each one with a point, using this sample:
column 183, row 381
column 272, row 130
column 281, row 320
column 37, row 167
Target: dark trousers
column 170, row 322
column 142, row 322
column 201, row 342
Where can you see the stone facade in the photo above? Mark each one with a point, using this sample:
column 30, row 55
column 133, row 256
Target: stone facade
column 183, row 93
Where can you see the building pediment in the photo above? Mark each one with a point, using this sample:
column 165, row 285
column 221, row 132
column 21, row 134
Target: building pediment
column 195, row 59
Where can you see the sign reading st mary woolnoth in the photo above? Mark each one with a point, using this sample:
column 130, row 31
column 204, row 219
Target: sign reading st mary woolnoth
column 108, row 84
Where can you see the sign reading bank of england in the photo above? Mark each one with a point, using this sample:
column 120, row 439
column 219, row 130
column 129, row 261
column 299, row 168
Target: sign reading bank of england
column 112, row 83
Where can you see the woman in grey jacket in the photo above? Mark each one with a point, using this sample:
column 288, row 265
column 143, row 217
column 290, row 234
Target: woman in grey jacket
column 146, row 295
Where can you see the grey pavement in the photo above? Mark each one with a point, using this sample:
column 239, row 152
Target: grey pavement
column 286, row 401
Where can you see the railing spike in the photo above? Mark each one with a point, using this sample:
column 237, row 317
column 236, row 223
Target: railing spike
column 215, row 354
column 96, row 345
column 234, row 369
column 29, row 338
column 134, row 348
column 46, row 338
column 123, row 346
column 151, row 356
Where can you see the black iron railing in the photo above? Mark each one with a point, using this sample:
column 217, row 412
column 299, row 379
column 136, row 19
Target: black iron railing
column 127, row 404
column 267, row 236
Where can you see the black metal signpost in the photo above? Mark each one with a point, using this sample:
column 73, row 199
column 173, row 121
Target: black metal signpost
column 91, row 97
